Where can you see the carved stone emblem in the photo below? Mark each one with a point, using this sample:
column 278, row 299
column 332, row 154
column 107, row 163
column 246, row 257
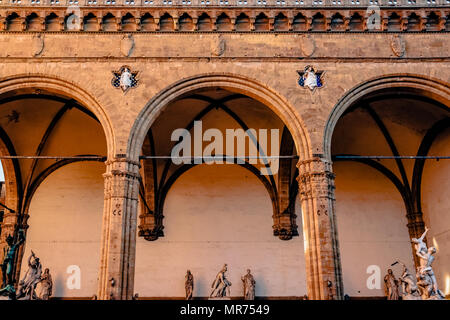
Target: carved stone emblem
column 218, row 46
column 308, row 45
column 127, row 45
column 37, row 45
column 124, row 79
column 398, row 45
column 310, row 78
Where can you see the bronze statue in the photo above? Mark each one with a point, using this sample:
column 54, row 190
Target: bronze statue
column 249, row 286
column 189, row 285
column 8, row 264
column 221, row 285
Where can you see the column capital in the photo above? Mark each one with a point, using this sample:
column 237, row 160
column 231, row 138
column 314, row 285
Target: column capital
column 315, row 179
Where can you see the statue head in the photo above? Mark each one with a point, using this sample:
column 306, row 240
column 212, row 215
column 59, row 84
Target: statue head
column 389, row 271
column 308, row 68
column 431, row 250
column 225, row 268
column 46, row 271
column 188, row 272
column 248, row 271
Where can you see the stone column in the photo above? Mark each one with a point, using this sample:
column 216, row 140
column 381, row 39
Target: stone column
column 323, row 266
column 116, row 277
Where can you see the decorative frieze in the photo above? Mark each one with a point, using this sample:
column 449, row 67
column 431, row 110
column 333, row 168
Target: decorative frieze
column 252, row 19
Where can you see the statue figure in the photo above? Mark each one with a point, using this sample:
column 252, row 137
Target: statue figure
column 221, row 285
column 425, row 275
column 125, row 79
column 391, row 286
column 45, row 285
column 189, row 285
column 410, row 290
column 8, row 264
column 249, row 286
column 419, row 244
column 31, row 279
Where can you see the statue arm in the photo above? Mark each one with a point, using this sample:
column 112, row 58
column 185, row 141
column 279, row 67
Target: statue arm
column 424, row 234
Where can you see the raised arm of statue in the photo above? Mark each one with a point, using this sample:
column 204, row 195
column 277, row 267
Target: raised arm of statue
column 424, row 234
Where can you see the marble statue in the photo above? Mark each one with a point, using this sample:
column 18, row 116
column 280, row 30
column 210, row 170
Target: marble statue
column 410, row 290
column 391, row 286
column 45, row 286
column 249, row 286
column 189, row 285
column 425, row 275
column 8, row 264
column 426, row 287
column 419, row 244
column 31, row 279
column 221, row 285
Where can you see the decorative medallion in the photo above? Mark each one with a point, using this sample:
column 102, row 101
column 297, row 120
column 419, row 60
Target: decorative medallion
column 125, row 79
column 218, row 46
column 310, row 78
column 398, row 45
column 308, row 45
column 37, row 45
column 127, row 45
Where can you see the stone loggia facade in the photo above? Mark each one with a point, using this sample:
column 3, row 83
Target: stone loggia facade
column 253, row 49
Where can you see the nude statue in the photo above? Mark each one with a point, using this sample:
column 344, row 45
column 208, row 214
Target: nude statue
column 221, row 285
column 420, row 245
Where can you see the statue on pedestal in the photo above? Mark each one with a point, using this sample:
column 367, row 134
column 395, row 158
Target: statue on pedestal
column 8, row 264
column 249, row 286
column 391, row 286
column 189, row 285
column 426, row 287
column 31, row 279
column 221, row 285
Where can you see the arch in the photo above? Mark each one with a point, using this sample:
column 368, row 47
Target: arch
column 424, row 86
column 59, row 86
column 235, row 83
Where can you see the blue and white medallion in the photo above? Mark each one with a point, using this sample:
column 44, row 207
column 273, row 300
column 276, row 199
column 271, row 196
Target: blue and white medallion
column 310, row 78
column 124, row 79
